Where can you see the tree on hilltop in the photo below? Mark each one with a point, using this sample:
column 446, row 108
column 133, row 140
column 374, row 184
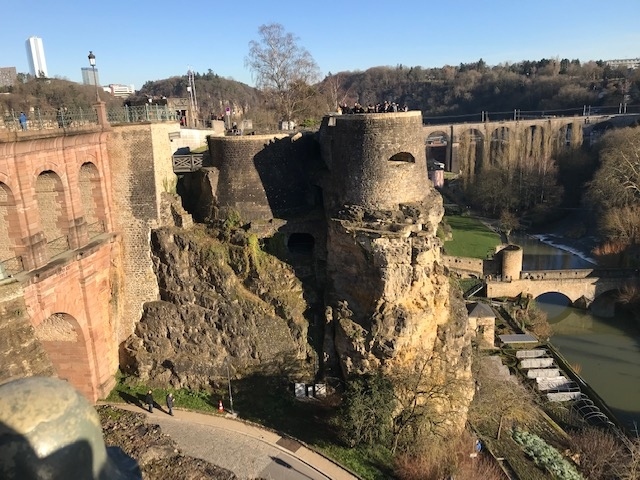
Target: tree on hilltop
column 283, row 70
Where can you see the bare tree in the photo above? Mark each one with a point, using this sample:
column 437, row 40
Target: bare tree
column 615, row 188
column 283, row 70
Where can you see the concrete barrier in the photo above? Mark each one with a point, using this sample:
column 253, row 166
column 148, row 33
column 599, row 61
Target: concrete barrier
column 542, row 362
column 535, row 353
column 543, row 372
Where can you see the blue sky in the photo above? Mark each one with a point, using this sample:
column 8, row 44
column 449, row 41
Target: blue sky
column 139, row 40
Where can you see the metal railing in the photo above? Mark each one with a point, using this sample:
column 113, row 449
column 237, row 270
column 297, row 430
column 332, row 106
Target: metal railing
column 50, row 119
column 58, row 245
column 94, row 229
column 10, row 267
column 518, row 114
column 76, row 118
column 141, row 113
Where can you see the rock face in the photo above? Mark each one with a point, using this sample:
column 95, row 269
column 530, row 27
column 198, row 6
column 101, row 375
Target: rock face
column 391, row 307
column 220, row 301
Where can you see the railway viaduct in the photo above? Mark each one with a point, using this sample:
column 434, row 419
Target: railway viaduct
column 454, row 143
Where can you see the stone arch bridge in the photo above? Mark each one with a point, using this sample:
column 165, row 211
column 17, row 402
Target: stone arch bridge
column 574, row 284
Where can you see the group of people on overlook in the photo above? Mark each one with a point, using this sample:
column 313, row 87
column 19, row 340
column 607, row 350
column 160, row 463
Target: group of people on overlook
column 386, row 107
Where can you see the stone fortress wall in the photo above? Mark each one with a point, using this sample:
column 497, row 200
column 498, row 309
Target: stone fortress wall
column 261, row 176
column 384, row 167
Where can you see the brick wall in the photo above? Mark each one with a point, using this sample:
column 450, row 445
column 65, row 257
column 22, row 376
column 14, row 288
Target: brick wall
column 261, row 176
column 41, row 182
column 141, row 168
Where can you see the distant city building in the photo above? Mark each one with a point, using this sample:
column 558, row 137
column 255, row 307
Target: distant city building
column 8, row 76
column 118, row 90
column 35, row 55
column 88, row 78
column 631, row 63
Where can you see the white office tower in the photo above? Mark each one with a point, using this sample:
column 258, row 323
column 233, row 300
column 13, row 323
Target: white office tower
column 35, row 54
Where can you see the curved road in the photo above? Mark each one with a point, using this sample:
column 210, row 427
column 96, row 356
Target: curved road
column 247, row 450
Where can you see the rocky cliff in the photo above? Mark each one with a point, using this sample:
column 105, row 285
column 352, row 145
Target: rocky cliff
column 222, row 300
column 391, row 306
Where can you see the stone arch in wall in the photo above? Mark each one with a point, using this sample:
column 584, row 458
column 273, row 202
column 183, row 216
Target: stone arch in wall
column 403, row 157
column 534, row 142
column 301, row 243
column 10, row 241
column 470, row 153
column 63, row 340
column 500, row 146
column 93, row 204
column 436, row 147
column 564, row 137
column 53, row 212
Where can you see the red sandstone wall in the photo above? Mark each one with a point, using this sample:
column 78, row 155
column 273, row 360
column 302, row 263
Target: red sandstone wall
column 74, row 287
column 80, row 289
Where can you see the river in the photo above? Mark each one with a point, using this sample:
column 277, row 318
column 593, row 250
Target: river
column 605, row 351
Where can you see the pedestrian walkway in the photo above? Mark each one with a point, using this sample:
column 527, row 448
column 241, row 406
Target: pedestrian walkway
column 246, row 449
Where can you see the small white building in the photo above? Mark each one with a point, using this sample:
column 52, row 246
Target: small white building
column 483, row 321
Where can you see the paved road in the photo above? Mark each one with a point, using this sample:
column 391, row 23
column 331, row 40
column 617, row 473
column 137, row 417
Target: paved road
column 247, row 450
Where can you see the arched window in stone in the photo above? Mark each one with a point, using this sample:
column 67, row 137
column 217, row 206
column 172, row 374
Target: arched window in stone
column 92, row 200
column 10, row 262
column 53, row 212
column 64, row 342
column 405, row 157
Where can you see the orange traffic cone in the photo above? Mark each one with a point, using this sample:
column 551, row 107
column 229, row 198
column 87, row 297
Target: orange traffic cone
column 220, row 406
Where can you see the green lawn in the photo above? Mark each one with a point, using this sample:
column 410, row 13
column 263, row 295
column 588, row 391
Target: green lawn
column 471, row 238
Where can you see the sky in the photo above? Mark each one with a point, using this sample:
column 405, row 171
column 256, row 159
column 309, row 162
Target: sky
column 135, row 41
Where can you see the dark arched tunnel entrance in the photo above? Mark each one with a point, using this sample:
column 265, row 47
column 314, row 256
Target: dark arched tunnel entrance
column 301, row 243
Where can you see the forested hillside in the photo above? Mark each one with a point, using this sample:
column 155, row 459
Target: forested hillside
column 544, row 85
column 474, row 87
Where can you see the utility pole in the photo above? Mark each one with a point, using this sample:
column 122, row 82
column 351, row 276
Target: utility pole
column 193, row 99
column 229, row 382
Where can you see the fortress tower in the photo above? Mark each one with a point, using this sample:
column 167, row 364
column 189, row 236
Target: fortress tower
column 376, row 160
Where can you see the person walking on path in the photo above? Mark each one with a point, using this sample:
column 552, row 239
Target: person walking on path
column 149, row 401
column 23, row 120
column 170, row 403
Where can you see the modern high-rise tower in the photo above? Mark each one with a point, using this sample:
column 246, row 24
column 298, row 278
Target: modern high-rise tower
column 35, row 55
column 90, row 76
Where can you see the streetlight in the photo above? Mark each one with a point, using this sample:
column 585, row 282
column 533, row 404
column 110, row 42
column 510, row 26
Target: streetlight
column 92, row 62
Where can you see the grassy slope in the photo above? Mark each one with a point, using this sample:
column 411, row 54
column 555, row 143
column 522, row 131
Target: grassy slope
column 471, row 238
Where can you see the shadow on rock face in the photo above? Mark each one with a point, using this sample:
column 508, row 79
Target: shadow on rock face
column 48, row 430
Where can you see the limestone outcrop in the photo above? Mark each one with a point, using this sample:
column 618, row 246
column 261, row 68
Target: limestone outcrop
column 221, row 302
column 390, row 304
